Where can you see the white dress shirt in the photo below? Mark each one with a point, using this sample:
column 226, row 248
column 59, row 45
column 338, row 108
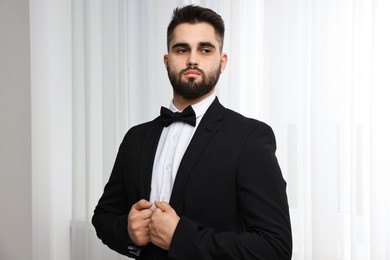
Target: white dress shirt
column 172, row 145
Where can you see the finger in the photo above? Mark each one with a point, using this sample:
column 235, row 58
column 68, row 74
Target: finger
column 163, row 206
column 144, row 223
column 142, row 204
column 157, row 211
column 138, row 224
column 151, row 229
column 146, row 213
column 141, row 231
column 140, row 237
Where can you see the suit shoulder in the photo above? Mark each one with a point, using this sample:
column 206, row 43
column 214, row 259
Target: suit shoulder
column 249, row 128
column 140, row 130
column 238, row 119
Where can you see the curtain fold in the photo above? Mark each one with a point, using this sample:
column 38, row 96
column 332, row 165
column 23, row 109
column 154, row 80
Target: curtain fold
column 316, row 71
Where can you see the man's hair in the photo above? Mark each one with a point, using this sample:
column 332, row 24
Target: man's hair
column 195, row 14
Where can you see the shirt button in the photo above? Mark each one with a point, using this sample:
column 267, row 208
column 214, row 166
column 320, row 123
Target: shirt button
column 168, row 167
column 164, row 198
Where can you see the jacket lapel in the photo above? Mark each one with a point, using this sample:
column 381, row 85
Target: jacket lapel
column 207, row 128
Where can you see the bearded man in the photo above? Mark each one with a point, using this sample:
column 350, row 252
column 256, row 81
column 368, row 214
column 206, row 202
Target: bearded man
column 200, row 181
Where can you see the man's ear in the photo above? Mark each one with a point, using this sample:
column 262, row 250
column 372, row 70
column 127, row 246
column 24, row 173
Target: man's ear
column 166, row 61
column 224, row 60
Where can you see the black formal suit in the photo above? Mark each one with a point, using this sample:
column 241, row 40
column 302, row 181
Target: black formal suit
column 229, row 191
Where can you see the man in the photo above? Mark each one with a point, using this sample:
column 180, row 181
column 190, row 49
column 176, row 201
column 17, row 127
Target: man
column 200, row 181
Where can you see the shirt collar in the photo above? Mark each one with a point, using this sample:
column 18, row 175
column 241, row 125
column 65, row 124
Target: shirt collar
column 200, row 108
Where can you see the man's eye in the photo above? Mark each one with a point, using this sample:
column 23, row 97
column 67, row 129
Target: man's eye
column 206, row 50
column 181, row 50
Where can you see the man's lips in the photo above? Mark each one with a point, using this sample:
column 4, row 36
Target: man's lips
column 192, row 73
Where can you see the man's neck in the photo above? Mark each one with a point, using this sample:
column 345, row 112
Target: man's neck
column 181, row 103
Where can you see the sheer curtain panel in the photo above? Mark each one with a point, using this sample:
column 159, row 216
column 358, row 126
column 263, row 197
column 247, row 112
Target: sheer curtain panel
column 317, row 71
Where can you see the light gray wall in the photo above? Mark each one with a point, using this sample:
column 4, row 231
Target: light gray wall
column 15, row 132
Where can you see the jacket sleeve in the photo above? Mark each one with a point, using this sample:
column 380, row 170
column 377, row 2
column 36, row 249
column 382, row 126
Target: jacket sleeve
column 110, row 215
column 264, row 211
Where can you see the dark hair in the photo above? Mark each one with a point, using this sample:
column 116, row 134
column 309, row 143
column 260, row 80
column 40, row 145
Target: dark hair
column 195, row 14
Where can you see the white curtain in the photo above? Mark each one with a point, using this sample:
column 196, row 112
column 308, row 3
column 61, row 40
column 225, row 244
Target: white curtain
column 317, row 71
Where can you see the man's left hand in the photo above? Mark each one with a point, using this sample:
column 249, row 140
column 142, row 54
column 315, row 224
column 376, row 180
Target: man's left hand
column 163, row 224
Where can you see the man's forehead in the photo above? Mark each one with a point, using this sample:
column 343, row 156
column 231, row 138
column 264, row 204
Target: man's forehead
column 194, row 34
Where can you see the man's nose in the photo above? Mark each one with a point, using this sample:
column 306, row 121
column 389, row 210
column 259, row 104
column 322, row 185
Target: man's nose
column 193, row 59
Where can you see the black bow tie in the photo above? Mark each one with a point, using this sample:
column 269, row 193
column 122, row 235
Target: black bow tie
column 168, row 117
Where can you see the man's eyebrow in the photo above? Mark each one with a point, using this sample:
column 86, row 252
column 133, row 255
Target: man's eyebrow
column 206, row 44
column 180, row 44
column 186, row 45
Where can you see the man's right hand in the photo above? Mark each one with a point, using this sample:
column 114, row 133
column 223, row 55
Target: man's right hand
column 138, row 222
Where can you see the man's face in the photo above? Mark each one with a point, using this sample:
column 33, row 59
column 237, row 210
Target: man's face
column 194, row 61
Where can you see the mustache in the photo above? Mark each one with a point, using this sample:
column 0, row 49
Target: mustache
column 192, row 68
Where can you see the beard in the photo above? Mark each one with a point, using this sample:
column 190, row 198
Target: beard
column 189, row 88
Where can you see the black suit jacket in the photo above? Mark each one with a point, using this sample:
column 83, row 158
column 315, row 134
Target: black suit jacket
column 229, row 192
